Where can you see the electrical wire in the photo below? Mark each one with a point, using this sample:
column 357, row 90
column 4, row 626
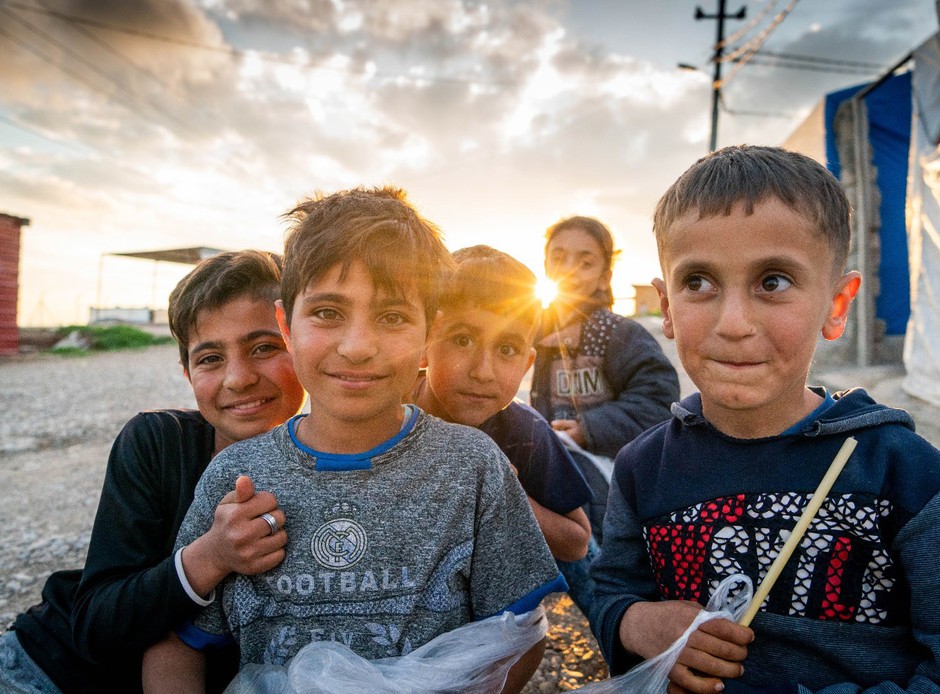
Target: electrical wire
column 240, row 54
column 758, row 18
column 123, row 89
column 747, row 50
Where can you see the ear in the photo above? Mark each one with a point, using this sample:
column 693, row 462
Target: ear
column 668, row 328
column 186, row 374
column 531, row 359
column 282, row 324
column 846, row 290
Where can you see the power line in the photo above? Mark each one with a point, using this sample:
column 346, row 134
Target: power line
column 241, row 55
column 820, row 60
column 91, row 36
column 64, row 68
column 810, row 67
column 750, row 25
column 122, row 88
column 751, row 47
column 32, row 131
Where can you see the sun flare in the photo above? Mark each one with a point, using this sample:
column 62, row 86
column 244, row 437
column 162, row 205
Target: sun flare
column 546, row 290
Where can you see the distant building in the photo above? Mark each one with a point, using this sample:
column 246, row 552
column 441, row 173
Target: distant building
column 9, row 281
column 146, row 315
column 647, row 299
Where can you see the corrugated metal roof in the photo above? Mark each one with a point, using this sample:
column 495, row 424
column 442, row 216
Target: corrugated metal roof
column 189, row 256
column 22, row 220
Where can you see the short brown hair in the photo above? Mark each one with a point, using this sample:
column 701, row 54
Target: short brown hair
column 217, row 280
column 750, row 174
column 494, row 281
column 377, row 226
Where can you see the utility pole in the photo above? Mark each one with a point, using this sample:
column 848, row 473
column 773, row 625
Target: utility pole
column 719, row 51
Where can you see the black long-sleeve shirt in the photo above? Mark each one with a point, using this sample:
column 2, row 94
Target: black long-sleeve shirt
column 92, row 628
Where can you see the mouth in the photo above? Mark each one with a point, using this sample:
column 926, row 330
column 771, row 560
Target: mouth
column 730, row 364
column 248, row 407
column 477, row 397
column 349, row 379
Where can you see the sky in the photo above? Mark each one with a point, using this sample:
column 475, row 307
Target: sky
column 135, row 125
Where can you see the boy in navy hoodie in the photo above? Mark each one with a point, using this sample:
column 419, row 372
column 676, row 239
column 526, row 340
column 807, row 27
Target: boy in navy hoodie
column 753, row 243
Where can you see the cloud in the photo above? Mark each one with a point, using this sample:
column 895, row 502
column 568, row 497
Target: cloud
column 497, row 116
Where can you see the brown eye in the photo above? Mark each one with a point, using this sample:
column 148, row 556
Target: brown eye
column 774, row 283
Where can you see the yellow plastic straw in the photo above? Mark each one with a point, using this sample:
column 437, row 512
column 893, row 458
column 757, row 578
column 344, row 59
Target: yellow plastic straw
column 763, row 590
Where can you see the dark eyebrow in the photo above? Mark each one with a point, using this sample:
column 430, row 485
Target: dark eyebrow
column 687, row 267
column 460, row 325
column 512, row 335
column 385, row 302
column 328, row 297
column 774, row 262
column 250, row 337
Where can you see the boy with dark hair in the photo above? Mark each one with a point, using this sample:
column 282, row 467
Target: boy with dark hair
column 402, row 527
column 753, row 242
column 90, row 631
column 479, row 349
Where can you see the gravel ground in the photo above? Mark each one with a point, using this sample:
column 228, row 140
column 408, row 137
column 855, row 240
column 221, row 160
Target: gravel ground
column 58, row 417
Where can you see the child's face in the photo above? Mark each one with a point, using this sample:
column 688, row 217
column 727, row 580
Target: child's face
column 574, row 260
column 745, row 298
column 357, row 351
column 240, row 370
column 476, row 360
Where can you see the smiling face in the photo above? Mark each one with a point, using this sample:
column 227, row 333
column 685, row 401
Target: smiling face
column 241, row 373
column 575, row 261
column 476, row 360
column 357, row 350
column 745, row 297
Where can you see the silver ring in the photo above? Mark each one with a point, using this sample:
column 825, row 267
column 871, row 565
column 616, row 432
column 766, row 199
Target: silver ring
column 271, row 521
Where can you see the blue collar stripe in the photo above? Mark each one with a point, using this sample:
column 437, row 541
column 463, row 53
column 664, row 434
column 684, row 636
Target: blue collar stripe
column 341, row 462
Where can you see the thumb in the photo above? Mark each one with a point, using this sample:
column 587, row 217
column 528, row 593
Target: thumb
column 244, row 489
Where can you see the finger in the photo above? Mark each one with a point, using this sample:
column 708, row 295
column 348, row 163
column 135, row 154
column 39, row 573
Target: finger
column 687, row 680
column 262, row 562
column 719, row 648
column 706, row 664
column 261, row 502
column 265, row 527
column 269, row 561
column 244, row 488
column 727, row 630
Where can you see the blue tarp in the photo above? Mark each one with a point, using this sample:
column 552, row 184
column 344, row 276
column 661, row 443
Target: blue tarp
column 889, row 119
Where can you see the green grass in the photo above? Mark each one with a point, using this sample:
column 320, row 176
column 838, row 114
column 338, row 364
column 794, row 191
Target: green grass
column 109, row 339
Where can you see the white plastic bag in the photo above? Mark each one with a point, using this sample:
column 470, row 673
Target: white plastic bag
column 730, row 600
column 474, row 658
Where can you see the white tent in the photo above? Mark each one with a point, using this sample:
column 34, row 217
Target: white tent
column 922, row 340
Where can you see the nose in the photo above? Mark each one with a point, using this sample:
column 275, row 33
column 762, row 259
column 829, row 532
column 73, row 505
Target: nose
column 735, row 319
column 558, row 267
column 358, row 342
column 482, row 368
column 240, row 373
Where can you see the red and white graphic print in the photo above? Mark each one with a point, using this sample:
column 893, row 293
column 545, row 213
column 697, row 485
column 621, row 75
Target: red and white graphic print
column 841, row 570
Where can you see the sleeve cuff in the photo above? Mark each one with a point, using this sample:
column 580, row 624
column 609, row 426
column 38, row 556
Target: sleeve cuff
column 202, row 602
column 200, row 640
column 533, row 599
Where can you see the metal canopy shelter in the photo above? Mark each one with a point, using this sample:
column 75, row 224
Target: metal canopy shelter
column 185, row 256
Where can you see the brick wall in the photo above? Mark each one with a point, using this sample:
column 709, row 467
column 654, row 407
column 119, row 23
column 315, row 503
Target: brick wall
column 9, row 282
